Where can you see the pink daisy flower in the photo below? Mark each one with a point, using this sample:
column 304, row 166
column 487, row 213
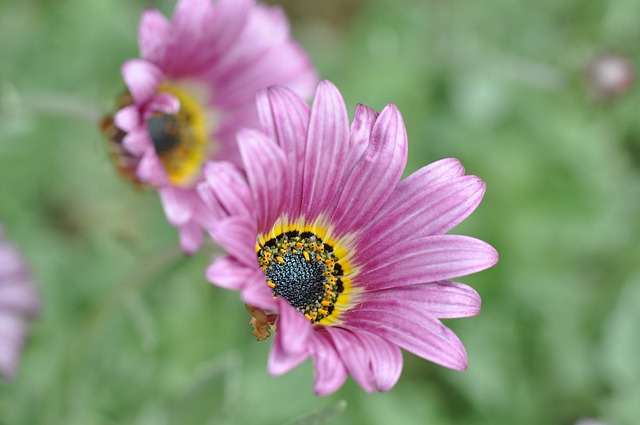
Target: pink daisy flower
column 324, row 241
column 192, row 88
column 18, row 303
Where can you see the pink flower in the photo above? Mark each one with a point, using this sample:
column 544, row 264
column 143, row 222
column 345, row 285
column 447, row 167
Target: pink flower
column 18, row 303
column 353, row 262
column 190, row 91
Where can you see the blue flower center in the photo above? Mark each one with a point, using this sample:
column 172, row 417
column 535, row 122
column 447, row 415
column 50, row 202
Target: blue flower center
column 303, row 270
column 164, row 130
column 297, row 280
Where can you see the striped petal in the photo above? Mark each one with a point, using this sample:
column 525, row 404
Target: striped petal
column 330, row 372
column 412, row 328
column 285, row 118
column 419, row 208
column 227, row 272
column 289, row 347
column 267, row 173
column 375, row 175
column 227, row 185
column 429, row 259
column 237, row 236
column 444, row 299
column 325, row 150
column 373, row 362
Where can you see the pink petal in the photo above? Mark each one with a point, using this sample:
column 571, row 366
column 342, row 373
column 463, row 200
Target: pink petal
column 285, row 64
column 11, row 260
column 128, row 118
column 237, row 236
column 439, row 171
column 289, row 347
column 257, row 293
column 154, row 34
column 444, row 300
column 210, row 213
column 190, row 237
column 227, row 272
column 376, row 174
column 142, row 79
column 267, row 173
column 363, row 120
column 428, row 259
column 12, row 337
column 285, row 117
column 265, row 27
column 165, row 103
column 417, row 209
column 17, row 295
column 202, row 33
column 151, row 170
column 413, row 329
column 326, row 149
column 178, row 204
column 374, row 362
column 330, row 372
column 137, row 142
column 229, row 187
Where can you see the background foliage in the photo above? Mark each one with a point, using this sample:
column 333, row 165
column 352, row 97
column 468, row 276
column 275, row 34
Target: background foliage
column 132, row 334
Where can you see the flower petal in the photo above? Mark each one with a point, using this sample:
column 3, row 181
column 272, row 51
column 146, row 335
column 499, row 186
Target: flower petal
column 137, row 142
column 166, row 103
column 418, row 208
column 285, row 118
column 151, row 170
column 289, row 347
column 267, row 173
column 202, row 32
column 178, row 204
column 12, row 337
column 444, row 299
column 12, row 263
column 190, row 237
column 227, row 272
column 330, row 372
column 227, row 188
column 127, row 119
column 142, row 79
column 413, row 329
column 363, row 120
column 154, row 34
column 237, row 235
column 376, row 174
column 17, row 295
column 257, row 293
column 374, row 362
column 325, row 151
column 428, row 259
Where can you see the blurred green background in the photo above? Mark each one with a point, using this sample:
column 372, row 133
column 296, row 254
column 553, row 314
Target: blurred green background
column 131, row 333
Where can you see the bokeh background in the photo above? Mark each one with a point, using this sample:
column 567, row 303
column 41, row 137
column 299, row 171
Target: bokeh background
column 131, row 333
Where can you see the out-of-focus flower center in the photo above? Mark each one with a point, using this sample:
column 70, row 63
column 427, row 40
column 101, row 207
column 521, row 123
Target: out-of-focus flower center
column 124, row 161
column 180, row 139
column 303, row 270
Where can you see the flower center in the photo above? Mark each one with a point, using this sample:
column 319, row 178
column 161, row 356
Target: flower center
column 164, row 130
column 303, row 270
column 180, row 139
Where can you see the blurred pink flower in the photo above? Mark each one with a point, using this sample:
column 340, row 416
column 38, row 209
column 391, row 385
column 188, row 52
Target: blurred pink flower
column 347, row 262
column 609, row 76
column 191, row 90
column 18, row 303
